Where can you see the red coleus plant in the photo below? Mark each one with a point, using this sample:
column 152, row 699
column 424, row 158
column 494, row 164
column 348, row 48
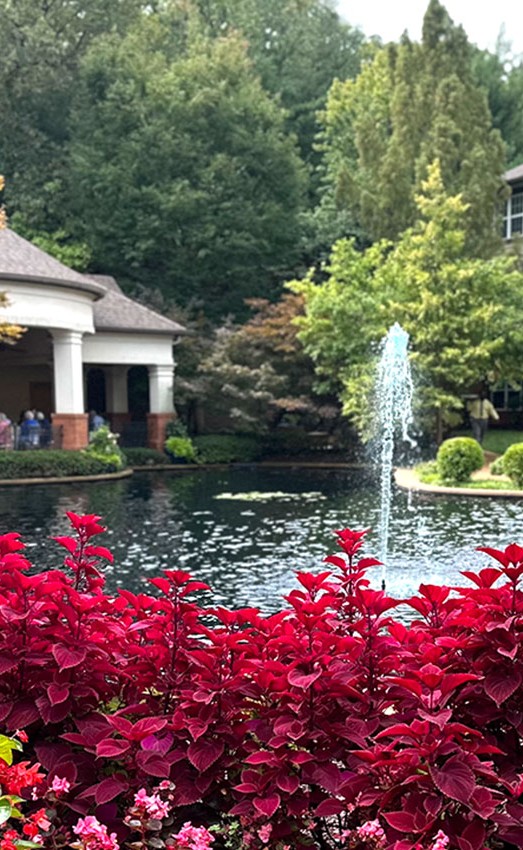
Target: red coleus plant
column 313, row 721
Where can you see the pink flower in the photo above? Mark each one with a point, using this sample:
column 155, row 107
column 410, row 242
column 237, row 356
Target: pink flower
column 194, row 837
column 60, row 785
column 372, row 829
column 152, row 804
column 94, row 834
column 264, row 832
column 441, row 841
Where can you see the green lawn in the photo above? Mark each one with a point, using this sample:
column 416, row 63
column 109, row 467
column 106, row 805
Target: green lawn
column 497, row 439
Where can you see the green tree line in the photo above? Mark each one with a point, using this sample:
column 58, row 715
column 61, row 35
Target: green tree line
column 207, row 151
column 200, row 147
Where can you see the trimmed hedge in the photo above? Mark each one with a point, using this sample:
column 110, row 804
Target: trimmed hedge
column 227, row 448
column 458, row 458
column 52, row 463
column 289, row 441
column 513, row 463
column 142, row 456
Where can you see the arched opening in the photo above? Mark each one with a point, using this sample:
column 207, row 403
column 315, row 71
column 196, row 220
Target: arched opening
column 95, row 390
column 138, row 392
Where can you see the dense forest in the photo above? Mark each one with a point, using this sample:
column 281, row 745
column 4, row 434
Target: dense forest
column 205, row 152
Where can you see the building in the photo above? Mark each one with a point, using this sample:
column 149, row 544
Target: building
column 513, row 211
column 85, row 340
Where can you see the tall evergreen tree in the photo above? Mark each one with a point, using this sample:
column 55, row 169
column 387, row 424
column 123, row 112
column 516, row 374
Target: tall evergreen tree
column 411, row 104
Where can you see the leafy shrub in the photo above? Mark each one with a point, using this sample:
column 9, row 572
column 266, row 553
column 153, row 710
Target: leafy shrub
column 175, row 428
column 513, row 463
column 227, row 448
column 180, row 447
column 288, row 442
column 103, row 445
column 497, row 466
column 457, row 458
column 52, row 463
column 141, row 456
column 319, row 726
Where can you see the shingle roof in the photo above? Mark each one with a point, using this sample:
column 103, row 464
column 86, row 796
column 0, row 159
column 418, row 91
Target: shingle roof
column 21, row 260
column 116, row 312
column 514, row 174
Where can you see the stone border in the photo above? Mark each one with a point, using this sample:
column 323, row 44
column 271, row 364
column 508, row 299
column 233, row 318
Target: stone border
column 66, row 479
column 180, row 467
column 406, row 479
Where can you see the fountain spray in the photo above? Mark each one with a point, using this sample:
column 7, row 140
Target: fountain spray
column 394, row 399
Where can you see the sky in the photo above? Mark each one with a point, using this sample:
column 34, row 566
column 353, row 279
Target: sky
column 482, row 19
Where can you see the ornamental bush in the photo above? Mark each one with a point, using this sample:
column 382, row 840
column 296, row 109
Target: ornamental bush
column 142, row 456
column 458, row 458
column 180, row 447
column 52, row 463
column 497, row 466
column 513, row 463
column 331, row 724
column 103, row 445
column 227, row 448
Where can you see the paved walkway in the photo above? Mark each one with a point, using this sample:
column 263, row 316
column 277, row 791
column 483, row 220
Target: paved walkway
column 407, row 479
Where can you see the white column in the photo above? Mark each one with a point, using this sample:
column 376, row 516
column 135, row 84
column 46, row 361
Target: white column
column 68, row 371
column 161, row 389
column 116, row 389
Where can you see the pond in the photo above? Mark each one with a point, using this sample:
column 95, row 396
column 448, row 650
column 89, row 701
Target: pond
column 246, row 530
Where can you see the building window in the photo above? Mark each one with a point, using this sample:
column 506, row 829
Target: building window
column 513, row 214
column 507, row 397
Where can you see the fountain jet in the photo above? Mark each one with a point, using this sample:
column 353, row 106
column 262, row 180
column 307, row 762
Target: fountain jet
column 394, row 415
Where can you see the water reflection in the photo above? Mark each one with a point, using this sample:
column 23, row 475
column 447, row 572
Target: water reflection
column 248, row 549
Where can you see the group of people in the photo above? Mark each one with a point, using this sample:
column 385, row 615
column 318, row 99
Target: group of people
column 33, row 431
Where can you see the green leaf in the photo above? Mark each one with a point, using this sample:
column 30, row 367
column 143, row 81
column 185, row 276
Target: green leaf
column 5, row 810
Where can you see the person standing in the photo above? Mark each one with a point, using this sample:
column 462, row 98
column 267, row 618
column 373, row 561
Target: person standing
column 480, row 411
column 29, row 431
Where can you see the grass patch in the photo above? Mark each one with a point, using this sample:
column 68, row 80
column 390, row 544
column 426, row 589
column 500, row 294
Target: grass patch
column 497, row 440
column 428, row 474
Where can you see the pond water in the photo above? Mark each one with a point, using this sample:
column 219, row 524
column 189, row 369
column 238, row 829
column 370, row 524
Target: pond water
column 246, row 530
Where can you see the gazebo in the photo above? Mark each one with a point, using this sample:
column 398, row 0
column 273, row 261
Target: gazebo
column 76, row 324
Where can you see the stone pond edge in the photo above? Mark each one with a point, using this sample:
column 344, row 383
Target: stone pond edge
column 406, row 479
column 176, row 468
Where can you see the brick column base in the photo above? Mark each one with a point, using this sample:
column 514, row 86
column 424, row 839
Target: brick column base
column 74, row 429
column 156, row 423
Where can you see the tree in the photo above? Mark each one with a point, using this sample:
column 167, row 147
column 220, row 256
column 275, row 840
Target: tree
column 8, row 333
column 411, row 104
column 298, row 47
column 253, row 374
column 501, row 77
column 41, row 45
column 182, row 175
column 461, row 313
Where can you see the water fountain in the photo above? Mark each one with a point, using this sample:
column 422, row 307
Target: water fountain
column 393, row 393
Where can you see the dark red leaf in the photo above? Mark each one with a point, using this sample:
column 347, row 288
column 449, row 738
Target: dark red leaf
column 501, row 683
column 455, row 779
column 402, row 821
column 112, row 748
column 66, row 657
column 109, row 788
column 203, row 753
column 267, row 805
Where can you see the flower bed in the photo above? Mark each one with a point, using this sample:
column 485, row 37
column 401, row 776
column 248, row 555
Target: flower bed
column 162, row 721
